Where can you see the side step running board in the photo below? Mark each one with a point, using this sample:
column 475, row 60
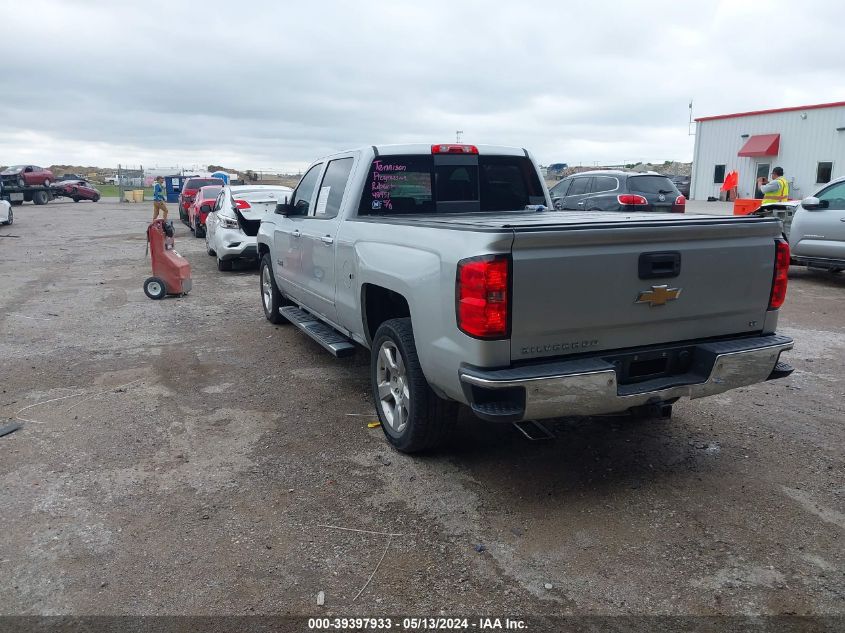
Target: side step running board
column 335, row 342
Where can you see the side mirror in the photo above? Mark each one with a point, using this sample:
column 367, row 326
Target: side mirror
column 285, row 209
column 814, row 204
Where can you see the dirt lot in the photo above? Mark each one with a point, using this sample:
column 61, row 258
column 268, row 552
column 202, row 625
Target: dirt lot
column 185, row 457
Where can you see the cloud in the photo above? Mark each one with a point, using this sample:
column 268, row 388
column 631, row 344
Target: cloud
column 267, row 85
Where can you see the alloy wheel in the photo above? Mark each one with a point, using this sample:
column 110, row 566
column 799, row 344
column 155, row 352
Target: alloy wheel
column 267, row 289
column 393, row 389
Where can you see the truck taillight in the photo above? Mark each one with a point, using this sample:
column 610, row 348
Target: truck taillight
column 452, row 148
column 781, row 278
column 631, row 198
column 483, row 296
column 242, row 204
column 680, row 205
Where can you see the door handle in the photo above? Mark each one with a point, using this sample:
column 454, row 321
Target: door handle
column 327, row 239
column 582, row 202
column 297, row 233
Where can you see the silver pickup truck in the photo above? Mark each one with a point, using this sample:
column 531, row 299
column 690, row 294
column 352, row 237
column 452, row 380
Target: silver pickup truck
column 448, row 264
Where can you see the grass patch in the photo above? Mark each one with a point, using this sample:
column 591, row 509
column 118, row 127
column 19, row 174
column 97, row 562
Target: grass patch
column 113, row 191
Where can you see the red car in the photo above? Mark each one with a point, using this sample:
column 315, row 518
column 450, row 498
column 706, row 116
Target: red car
column 189, row 191
column 201, row 206
column 27, row 175
column 77, row 190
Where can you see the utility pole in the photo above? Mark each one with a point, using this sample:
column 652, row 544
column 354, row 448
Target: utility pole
column 690, row 124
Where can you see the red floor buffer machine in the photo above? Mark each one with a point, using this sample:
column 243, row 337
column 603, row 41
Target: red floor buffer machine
column 171, row 271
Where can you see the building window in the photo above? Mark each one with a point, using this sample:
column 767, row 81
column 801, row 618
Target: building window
column 823, row 172
column 719, row 174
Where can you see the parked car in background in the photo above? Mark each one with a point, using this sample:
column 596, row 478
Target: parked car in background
column 224, row 237
column 189, row 192
column 27, row 176
column 77, row 190
column 817, row 234
column 682, row 183
column 200, row 207
column 6, row 214
column 611, row 190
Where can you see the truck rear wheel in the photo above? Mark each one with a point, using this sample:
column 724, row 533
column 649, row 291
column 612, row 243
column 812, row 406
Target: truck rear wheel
column 40, row 197
column 412, row 416
column 271, row 297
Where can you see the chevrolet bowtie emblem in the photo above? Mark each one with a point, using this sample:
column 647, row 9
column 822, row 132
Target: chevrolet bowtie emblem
column 658, row 295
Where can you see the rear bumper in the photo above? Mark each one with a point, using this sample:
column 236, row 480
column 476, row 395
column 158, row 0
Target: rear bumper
column 590, row 386
column 819, row 262
column 233, row 244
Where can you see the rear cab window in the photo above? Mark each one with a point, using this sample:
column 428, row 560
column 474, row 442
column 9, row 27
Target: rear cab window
column 449, row 183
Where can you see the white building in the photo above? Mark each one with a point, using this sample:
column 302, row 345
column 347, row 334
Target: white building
column 807, row 141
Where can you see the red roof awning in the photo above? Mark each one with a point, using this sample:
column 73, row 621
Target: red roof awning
column 761, row 145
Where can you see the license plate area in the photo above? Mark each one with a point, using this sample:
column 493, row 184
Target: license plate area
column 641, row 366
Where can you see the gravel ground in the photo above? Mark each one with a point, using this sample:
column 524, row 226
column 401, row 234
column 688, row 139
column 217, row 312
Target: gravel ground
column 186, row 457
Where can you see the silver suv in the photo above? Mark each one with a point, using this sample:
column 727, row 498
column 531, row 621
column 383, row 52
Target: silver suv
column 817, row 236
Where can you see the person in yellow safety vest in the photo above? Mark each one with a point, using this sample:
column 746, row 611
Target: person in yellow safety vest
column 775, row 191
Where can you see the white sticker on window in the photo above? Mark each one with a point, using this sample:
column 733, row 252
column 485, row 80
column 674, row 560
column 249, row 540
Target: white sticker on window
column 323, row 200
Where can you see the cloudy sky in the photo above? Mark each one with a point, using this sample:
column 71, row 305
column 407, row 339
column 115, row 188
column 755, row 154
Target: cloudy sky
column 267, row 85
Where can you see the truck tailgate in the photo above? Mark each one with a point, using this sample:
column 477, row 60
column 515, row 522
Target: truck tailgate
column 576, row 287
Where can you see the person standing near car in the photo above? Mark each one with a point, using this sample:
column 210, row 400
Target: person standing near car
column 775, row 191
column 159, row 198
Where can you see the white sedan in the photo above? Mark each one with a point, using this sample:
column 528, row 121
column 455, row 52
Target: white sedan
column 223, row 236
column 6, row 215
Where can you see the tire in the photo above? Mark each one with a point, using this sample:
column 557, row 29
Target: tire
column 155, row 288
column 224, row 265
column 412, row 416
column 40, row 197
column 11, row 219
column 96, row 197
column 271, row 298
column 75, row 198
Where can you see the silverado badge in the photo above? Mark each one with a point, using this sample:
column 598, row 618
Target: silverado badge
column 658, row 295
